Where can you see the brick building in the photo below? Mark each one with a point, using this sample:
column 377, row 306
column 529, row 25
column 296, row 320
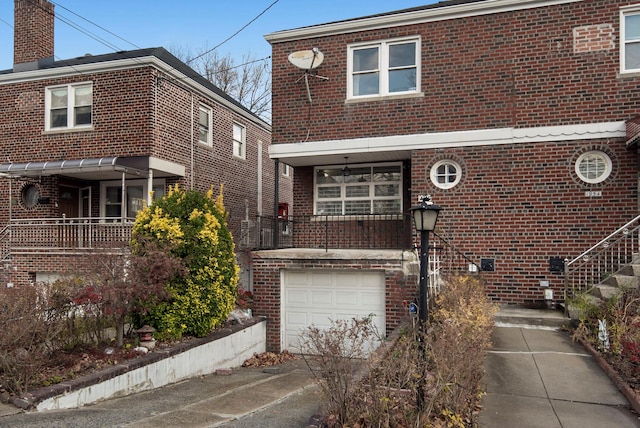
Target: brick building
column 87, row 140
column 518, row 117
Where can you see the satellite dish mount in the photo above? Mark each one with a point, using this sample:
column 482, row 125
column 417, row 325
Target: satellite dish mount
column 308, row 60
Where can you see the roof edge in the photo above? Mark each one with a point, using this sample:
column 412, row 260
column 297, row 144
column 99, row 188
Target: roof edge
column 439, row 12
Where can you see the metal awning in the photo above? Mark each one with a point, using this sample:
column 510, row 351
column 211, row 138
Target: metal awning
column 104, row 168
column 633, row 130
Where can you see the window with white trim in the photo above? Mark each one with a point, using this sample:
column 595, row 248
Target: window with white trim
column 68, row 106
column 593, row 167
column 239, row 141
column 362, row 189
column 135, row 195
column 384, row 68
column 446, row 174
column 630, row 40
column 205, row 126
column 286, row 170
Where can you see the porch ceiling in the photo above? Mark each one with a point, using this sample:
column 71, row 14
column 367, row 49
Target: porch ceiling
column 105, row 168
column 337, row 157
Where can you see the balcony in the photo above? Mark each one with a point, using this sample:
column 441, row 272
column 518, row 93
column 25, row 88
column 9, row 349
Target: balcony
column 376, row 231
column 360, row 232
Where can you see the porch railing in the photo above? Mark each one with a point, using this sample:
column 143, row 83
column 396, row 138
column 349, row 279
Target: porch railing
column 375, row 231
column 603, row 259
column 66, row 234
column 5, row 248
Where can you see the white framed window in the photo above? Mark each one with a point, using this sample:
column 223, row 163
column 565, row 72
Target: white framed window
column 362, row 189
column 286, row 170
column 446, row 174
column 136, row 197
column 69, row 106
column 205, row 126
column 593, row 167
column 384, row 68
column 239, row 141
column 630, row 39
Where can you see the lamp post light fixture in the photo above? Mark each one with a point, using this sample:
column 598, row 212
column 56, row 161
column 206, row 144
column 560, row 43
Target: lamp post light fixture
column 425, row 217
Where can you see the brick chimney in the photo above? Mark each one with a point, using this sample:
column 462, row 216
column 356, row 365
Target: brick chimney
column 33, row 34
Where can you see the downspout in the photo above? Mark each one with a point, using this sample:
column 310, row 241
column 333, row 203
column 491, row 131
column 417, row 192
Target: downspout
column 149, row 187
column 10, row 199
column 276, row 193
column 260, row 167
column 192, row 148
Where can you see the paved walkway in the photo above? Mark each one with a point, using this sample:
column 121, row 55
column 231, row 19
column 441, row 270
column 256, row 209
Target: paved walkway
column 538, row 377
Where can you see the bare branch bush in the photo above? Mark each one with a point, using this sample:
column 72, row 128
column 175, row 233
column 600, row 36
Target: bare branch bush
column 30, row 328
column 383, row 391
column 458, row 338
column 335, row 356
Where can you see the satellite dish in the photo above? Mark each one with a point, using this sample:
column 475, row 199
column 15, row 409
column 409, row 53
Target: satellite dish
column 307, row 60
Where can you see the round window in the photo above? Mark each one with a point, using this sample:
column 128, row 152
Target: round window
column 593, row 167
column 446, row 174
column 30, row 195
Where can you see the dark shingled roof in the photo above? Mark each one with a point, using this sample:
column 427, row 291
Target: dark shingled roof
column 159, row 52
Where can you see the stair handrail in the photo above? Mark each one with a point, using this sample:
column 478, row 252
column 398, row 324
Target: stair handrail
column 604, row 258
column 457, row 252
column 624, row 230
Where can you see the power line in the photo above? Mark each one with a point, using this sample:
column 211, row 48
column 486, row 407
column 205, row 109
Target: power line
column 96, row 25
column 9, row 25
column 234, row 34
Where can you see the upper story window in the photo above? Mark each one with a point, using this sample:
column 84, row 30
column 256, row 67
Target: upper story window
column 68, row 106
column 384, row 68
column 630, row 40
column 205, row 126
column 367, row 189
column 446, row 174
column 239, row 141
column 593, row 167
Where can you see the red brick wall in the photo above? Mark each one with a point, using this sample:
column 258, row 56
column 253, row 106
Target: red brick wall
column 520, row 203
column 33, row 21
column 136, row 114
column 512, row 69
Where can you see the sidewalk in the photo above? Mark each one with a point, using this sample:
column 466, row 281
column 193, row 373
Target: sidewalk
column 537, row 377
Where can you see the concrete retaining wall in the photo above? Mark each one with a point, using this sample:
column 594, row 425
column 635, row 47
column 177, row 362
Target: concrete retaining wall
column 226, row 348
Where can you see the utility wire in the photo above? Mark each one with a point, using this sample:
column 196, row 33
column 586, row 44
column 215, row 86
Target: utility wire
column 96, row 25
column 234, row 34
column 9, row 25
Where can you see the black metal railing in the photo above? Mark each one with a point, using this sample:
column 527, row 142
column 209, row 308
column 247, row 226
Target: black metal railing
column 375, row 231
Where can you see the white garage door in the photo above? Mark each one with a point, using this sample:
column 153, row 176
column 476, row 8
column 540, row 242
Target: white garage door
column 315, row 297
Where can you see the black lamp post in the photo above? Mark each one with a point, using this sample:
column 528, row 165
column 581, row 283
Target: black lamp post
column 425, row 216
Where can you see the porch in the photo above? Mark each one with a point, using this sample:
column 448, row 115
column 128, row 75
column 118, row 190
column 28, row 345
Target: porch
column 63, row 235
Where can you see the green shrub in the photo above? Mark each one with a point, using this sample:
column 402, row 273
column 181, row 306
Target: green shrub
column 194, row 226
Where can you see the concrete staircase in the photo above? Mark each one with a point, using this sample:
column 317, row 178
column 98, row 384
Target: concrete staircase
column 627, row 277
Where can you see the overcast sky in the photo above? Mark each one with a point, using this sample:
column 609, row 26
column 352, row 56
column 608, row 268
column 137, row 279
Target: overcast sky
column 189, row 24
